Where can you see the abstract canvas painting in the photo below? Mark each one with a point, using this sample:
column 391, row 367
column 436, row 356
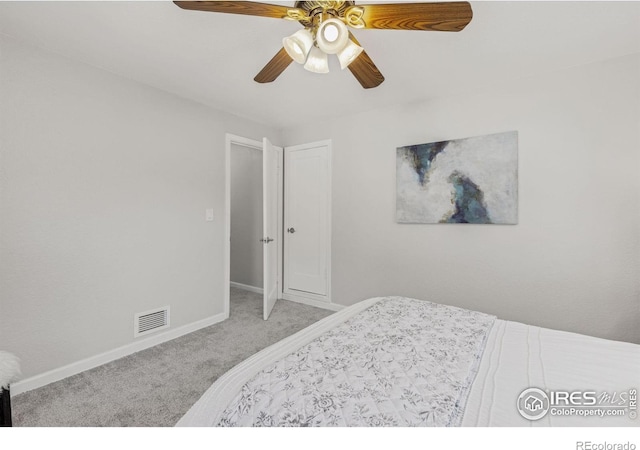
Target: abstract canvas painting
column 472, row 180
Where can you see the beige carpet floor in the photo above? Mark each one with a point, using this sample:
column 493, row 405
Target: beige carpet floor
column 155, row 387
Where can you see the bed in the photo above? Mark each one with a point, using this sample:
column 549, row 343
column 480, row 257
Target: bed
column 396, row 361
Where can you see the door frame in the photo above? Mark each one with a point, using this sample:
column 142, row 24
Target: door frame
column 321, row 301
column 231, row 139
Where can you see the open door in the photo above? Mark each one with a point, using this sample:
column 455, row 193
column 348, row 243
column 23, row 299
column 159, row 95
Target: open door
column 270, row 225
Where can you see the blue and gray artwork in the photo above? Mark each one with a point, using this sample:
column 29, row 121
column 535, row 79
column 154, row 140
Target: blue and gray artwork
column 473, row 180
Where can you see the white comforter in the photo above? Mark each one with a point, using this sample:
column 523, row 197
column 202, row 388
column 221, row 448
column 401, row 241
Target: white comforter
column 516, row 357
column 519, row 356
column 401, row 362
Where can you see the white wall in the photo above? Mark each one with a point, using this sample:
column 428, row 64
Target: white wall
column 246, row 216
column 572, row 262
column 104, row 184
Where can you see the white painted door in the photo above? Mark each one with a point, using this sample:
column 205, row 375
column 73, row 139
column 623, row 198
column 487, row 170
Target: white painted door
column 270, row 226
column 307, row 220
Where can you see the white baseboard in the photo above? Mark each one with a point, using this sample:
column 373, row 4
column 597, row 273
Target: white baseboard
column 246, row 287
column 94, row 361
column 310, row 302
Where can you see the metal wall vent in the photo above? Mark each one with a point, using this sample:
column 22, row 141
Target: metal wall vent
column 150, row 321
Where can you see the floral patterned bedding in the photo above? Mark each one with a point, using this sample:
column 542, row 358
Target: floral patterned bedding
column 400, row 362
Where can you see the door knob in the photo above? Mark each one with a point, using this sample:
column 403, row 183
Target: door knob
column 291, row 230
column 267, row 240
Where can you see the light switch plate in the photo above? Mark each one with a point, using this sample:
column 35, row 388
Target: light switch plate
column 209, row 215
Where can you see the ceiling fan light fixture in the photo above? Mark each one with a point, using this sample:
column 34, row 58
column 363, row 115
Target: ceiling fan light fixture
column 349, row 54
column 317, row 61
column 331, row 19
column 332, row 36
column 298, row 45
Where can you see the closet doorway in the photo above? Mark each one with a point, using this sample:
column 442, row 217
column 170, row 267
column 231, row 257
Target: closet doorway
column 253, row 219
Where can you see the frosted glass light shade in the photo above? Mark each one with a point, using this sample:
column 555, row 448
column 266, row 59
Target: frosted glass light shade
column 349, row 54
column 298, row 45
column 332, row 36
column 317, row 61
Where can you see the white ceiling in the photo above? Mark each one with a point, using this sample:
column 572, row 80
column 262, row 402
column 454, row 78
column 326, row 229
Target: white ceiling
column 212, row 58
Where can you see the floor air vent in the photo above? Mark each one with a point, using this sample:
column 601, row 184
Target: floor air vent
column 150, row 321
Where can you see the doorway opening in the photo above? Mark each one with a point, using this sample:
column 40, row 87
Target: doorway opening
column 246, row 219
column 253, row 223
column 296, row 196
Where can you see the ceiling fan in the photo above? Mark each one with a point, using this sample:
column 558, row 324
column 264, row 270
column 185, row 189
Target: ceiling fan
column 326, row 30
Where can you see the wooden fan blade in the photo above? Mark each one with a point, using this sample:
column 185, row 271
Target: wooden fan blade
column 275, row 67
column 246, row 8
column 364, row 69
column 441, row 16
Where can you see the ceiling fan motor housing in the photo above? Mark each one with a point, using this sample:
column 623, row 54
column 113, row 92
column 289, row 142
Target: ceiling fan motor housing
column 320, row 10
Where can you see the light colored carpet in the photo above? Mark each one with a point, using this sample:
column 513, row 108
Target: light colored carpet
column 156, row 387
